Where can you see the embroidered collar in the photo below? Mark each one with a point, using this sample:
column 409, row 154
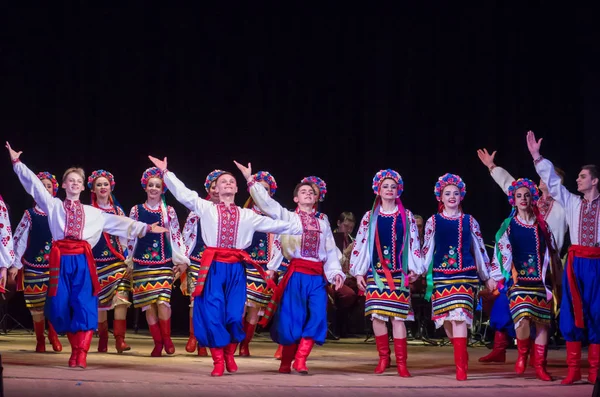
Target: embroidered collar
column 313, row 212
column 153, row 208
column 523, row 222
column 382, row 211
column 594, row 199
column 70, row 203
column 444, row 215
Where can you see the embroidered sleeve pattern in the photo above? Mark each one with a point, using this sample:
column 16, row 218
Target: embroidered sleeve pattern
column 361, row 258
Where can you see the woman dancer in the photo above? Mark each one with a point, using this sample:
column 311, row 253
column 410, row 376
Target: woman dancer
column 115, row 282
column 455, row 252
column 157, row 261
column 524, row 248
column 388, row 252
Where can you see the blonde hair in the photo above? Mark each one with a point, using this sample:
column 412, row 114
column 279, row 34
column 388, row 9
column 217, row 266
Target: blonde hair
column 78, row 170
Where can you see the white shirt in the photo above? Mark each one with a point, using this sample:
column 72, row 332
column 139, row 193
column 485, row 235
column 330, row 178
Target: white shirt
column 554, row 215
column 22, row 236
column 85, row 222
column 224, row 226
column 323, row 249
column 582, row 216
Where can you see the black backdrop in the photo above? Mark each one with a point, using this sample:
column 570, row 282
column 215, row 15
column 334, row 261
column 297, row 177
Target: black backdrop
column 334, row 91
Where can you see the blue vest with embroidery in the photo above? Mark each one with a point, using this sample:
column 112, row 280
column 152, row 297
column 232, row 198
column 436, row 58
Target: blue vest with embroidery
column 259, row 250
column 453, row 245
column 39, row 242
column 199, row 248
column 153, row 248
column 101, row 251
column 391, row 232
column 528, row 247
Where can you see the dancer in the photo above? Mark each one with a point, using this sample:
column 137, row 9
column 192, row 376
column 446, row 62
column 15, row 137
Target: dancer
column 220, row 293
column 388, row 252
column 299, row 304
column 258, row 294
column 33, row 242
column 113, row 275
column 7, row 253
column 192, row 238
column 157, row 260
column 457, row 259
column 580, row 304
column 523, row 251
column 72, row 301
column 320, row 188
column 554, row 215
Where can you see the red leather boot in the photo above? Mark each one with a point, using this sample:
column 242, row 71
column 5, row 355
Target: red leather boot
column 498, row 353
column 157, row 337
column 165, row 330
column 383, row 347
column 304, row 348
column 119, row 328
column 192, row 343
column 103, row 337
column 217, row 354
column 245, row 345
column 278, row 352
column 202, row 351
column 287, row 356
column 594, row 360
column 40, row 338
column 401, row 352
column 540, row 352
column 85, row 340
column 53, row 338
column 74, row 342
column 523, row 346
column 461, row 358
column 228, row 352
column 573, row 362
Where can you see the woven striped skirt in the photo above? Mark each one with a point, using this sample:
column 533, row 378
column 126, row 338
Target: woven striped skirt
column 529, row 302
column 152, row 283
column 453, row 298
column 114, row 286
column 386, row 303
column 35, row 287
column 191, row 276
column 257, row 293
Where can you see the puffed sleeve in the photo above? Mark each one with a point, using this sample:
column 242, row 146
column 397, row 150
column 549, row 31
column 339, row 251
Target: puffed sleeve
column 7, row 252
column 503, row 178
column 20, row 239
column 190, row 232
column 276, row 254
column 185, row 196
column 35, row 188
column 332, row 266
column 415, row 262
column 480, row 255
column 429, row 242
column 266, row 203
column 558, row 192
column 177, row 246
column 360, row 259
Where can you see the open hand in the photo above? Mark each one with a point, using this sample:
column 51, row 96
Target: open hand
column 486, row 158
column 339, row 282
column 154, row 228
column 533, row 145
column 360, row 282
column 2, row 278
column 179, row 269
column 246, row 171
column 160, row 164
column 12, row 272
column 13, row 155
column 491, row 284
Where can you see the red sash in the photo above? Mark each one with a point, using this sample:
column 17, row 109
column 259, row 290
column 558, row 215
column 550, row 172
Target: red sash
column 296, row 265
column 579, row 251
column 71, row 247
column 225, row 255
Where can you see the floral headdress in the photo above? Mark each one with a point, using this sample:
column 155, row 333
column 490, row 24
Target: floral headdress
column 101, row 174
column 320, row 184
column 152, row 172
column 211, row 177
column 519, row 183
column 446, row 180
column 52, row 178
column 387, row 174
column 267, row 177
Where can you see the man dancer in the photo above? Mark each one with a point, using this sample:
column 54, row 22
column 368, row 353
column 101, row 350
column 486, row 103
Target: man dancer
column 580, row 305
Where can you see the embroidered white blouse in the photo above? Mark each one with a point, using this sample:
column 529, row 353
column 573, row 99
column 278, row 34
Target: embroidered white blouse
column 72, row 219
column 224, row 226
column 22, row 236
column 482, row 260
column 582, row 216
column 315, row 246
column 361, row 258
column 551, row 210
column 7, row 253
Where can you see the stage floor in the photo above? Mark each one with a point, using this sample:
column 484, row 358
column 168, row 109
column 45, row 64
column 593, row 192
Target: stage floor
column 343, row 367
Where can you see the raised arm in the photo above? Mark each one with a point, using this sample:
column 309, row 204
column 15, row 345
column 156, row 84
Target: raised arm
column 33, row 186
column 20, row 239
column 266, row 203
column 268, row 225
column 545, row 170
column 499, row 174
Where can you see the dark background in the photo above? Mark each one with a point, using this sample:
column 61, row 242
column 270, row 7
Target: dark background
column 325, row 90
